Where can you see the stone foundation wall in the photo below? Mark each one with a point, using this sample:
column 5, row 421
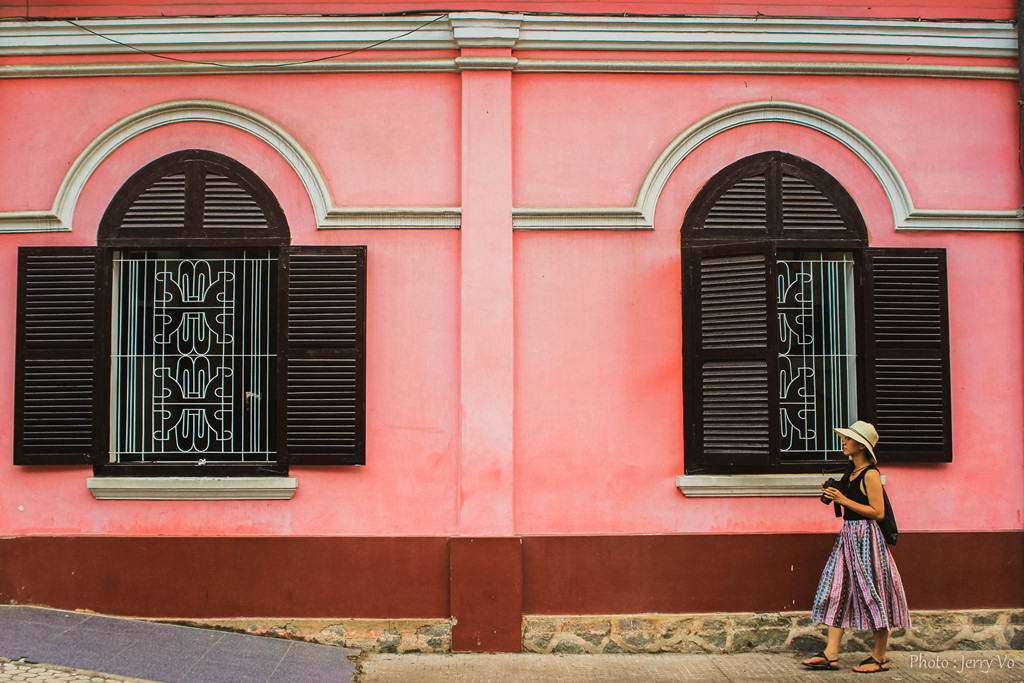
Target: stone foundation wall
column 786, row 632
column 369, row 635
column 686, row 633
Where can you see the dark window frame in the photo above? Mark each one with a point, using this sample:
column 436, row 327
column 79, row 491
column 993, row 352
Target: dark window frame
column 328, row 274
column 714, row 437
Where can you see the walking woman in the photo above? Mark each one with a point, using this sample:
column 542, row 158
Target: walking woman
column 860, row 587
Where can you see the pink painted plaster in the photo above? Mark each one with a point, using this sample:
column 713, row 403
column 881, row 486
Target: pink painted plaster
column 531, row 382
column 987, row 9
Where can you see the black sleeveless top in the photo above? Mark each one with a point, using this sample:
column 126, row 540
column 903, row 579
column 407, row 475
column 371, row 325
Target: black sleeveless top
column 854, row 493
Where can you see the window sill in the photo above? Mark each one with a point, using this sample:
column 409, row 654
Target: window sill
column 752, row 485
column 192, row 488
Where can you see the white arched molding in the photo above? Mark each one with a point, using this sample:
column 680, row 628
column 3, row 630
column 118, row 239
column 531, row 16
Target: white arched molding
column 59, row 217
column 641, row 215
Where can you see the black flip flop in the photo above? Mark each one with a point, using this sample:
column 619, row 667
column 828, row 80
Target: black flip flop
column 829, row 665
column 871, row 660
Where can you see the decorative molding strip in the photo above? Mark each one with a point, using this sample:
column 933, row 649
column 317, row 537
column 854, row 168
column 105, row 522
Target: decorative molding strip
column 486, row 63
column 611, row 218
column 192, row 488
column 518, row 31
column 59, row 218
column 934, row 219
column 33, row 221
column 524, row 65
column 226, row 68
column 776, row 68
column 412, row 218
column 751, row 485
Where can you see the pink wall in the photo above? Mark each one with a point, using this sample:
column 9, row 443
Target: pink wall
column 531, row 382
column 1002, row 9
column 616, row 364
column 409, row 485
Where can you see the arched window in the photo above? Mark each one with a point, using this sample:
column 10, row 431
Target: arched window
column 792, row 326
column 193, row 339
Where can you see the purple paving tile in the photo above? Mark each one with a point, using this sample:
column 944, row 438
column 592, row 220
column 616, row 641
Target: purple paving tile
column 164, row 652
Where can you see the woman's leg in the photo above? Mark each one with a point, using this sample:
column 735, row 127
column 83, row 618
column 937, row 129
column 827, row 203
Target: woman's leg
column 881, row 643
column 835, row 639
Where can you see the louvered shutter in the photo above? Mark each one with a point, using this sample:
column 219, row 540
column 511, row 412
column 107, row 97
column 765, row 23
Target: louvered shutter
column 741, row 207
column 58, row 387
column 907, row 354
column 806, row 208
column 189, row 196
column 229, row 206
column 729, row 341
column 325, row 366
column 160, row 206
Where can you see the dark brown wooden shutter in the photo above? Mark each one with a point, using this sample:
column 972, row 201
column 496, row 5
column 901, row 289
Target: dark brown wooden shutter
column 728, row 342
column 160, row 206
column 229, row 206
column 806, row 208
column 58, row 385
column 325, row 364
column 741, row 207
column 907, row 354
column 190, row 196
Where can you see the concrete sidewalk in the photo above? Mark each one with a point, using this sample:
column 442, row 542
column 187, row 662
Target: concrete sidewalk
column 906, row 667
column 75, row 647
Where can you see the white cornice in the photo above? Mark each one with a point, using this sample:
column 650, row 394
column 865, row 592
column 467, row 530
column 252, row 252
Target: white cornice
column 225, row 34
column 521, row 65
column 764, row 34
column 520, row 32
column 485, row 29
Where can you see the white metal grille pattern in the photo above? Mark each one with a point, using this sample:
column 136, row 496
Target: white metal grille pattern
column 817, row 351
column 193, row 357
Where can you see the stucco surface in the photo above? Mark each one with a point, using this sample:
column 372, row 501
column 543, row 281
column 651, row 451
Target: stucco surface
column 531, row 382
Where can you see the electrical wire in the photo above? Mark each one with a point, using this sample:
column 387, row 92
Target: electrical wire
column 253, row 66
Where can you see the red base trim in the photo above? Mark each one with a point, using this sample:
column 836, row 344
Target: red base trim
column 175, row 577
column 487, row 584
column 487, row 594
column 756, row 573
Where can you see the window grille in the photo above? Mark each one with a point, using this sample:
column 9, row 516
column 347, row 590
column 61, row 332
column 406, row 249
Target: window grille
column 193, row 357
column 817, row 351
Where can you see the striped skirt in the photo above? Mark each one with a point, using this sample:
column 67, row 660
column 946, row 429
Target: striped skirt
column 861, row 587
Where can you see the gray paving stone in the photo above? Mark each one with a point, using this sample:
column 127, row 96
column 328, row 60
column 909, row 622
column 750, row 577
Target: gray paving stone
column 919, row 667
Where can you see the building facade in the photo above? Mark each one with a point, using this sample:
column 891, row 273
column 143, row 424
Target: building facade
column 371, row 311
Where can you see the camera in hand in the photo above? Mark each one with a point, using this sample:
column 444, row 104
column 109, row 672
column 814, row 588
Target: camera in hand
column 829, row 484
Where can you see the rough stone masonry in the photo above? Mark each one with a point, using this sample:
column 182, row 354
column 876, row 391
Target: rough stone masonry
column 933, row 631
